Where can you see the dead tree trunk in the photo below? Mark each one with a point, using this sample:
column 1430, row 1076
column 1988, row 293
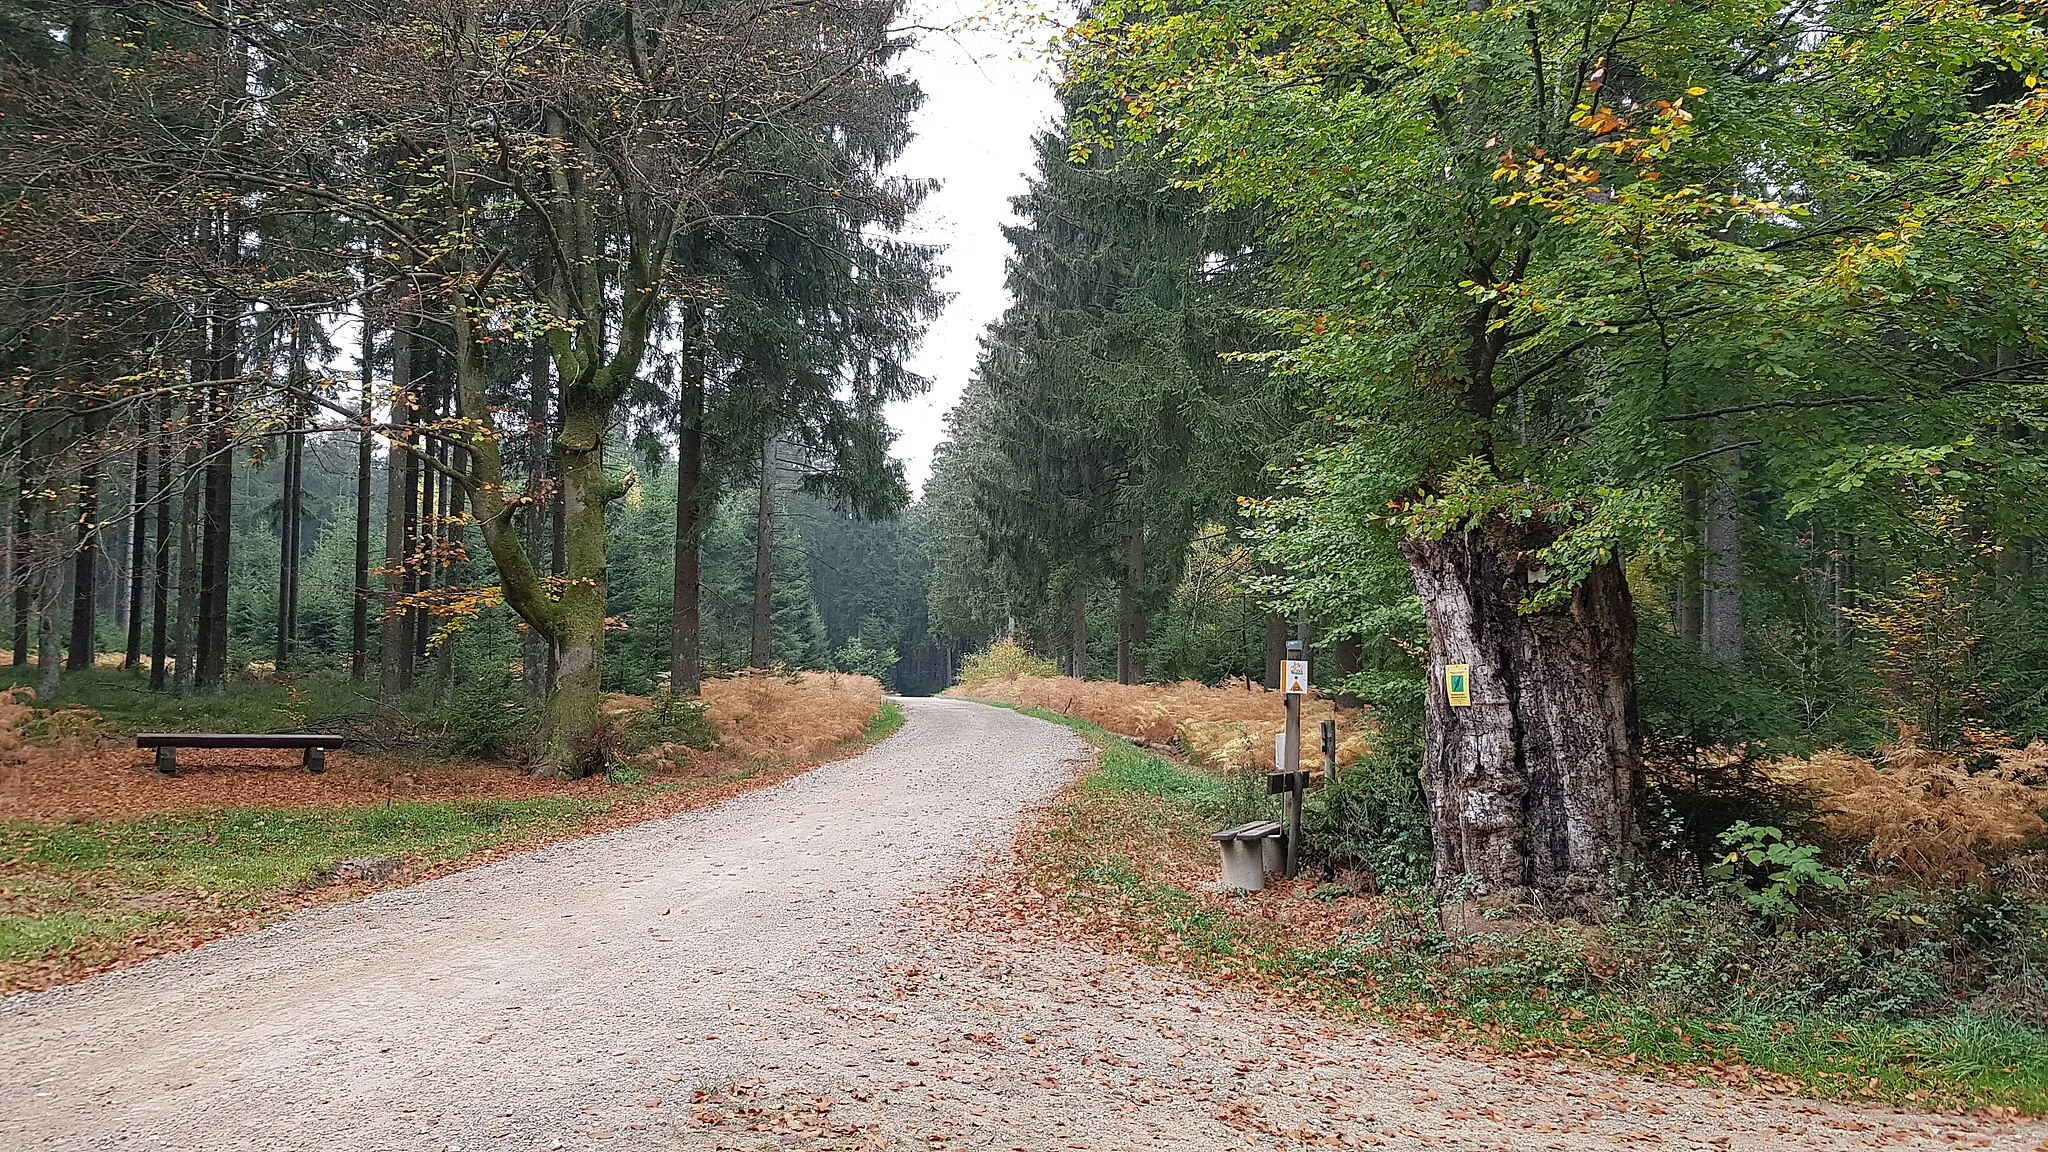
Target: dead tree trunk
column 1529, row 786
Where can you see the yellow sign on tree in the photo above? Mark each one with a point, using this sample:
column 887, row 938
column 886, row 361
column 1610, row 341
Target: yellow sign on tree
column 1458, row 684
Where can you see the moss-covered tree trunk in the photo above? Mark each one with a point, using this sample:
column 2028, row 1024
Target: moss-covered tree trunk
column 570, row 739
column 1530, row 784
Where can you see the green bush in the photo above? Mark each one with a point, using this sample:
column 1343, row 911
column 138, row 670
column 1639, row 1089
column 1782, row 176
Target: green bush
column 494, row 722
column 670, row 719
column 1373, row 817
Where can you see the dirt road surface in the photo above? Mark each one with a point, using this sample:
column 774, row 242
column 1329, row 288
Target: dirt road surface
column 749, row 977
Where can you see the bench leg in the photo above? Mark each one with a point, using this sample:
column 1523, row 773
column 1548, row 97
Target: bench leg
column 1243, row 865
column 316, row 760
column 167, row 761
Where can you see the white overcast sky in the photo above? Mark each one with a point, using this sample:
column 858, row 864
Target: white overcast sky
column 987, row 91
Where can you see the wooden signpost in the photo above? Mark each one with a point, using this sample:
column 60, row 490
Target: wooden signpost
column 1290, row 779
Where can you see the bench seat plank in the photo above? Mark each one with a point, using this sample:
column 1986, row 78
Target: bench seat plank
column 239, row 740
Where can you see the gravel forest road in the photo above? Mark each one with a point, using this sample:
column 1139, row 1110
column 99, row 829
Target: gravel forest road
column 751, row 976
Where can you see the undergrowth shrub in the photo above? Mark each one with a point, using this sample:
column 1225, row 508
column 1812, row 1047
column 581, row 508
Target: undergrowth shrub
column 1373, row 818
column 1002, row 660
column 486, row 722
column 668, row 719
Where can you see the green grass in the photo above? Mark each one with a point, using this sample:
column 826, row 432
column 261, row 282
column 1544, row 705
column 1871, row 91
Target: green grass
column 124, row 700
column 80, row 882
column 1124, row 767
column 883, row 724
column 1965, row 1059
column 247, row 850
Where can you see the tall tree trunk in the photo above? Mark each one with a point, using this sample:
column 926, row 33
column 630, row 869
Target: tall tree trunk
column 558, row 553
column 138, row 545
column 573, row 719
column 287, row 547
column 537, row 512
column 1077, row 659
column 23, row 553
column 1131, row 624
column 764, row 558
column 85, row 577
column 397, row 514
column 1350, row 661
column 1721, row 560
column 686, row 639
column 50, row 576
column 189, row 512
column 458, row 460
column 1276, row 641
column 1530, row 785
column 160, row 596
column 217, row 525
column 359, row 614
column 1685, row 596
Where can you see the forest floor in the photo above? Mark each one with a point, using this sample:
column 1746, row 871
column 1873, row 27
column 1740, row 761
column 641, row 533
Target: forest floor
column 821, row 964
column 105, row 863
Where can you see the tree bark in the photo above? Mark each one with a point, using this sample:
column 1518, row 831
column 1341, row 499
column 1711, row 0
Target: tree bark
column 138, row 546
column 686, row 637
column 217, row 525
column 536, row 652
column 23, row 554
column 288, row 544
column 160, row 598
column 1276, row 641
column 1078, row 658
column 1350, row 661
column 1530, row 785
column 359, row 615
column 1721, row 561
column 1131, row 622
column 764, row 557
column 573, row 720
column 395, row 651
column 49, row 599
column 189, row 510
column 85, row 576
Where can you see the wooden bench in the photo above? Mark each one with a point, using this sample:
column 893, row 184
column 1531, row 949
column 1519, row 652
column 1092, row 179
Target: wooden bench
column 1249, row 852
column 166, row 744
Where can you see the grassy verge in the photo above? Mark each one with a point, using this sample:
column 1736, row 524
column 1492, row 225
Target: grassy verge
column 887, row 719
column 1128, row 850
column 82, row 896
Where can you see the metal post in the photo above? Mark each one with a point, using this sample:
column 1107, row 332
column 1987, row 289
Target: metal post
column 1291, row 746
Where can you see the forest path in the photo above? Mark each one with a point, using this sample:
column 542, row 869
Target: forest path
column 758, row 956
